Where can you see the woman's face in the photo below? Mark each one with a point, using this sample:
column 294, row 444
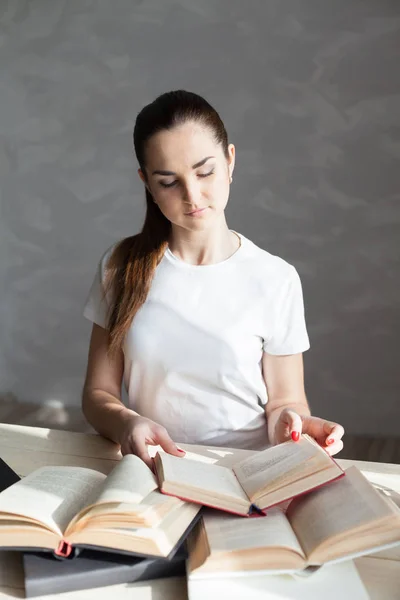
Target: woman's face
column 188, row 175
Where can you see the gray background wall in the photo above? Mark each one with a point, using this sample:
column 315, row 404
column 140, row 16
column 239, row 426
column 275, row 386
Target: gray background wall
column 310, row 94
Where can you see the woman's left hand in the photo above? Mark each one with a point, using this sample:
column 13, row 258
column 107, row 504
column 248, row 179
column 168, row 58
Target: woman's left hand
column 291, row 425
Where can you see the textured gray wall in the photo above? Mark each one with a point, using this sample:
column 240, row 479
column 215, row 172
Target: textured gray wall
column 310, row 93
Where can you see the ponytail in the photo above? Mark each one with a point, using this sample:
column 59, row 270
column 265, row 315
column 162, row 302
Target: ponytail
column 130, row 271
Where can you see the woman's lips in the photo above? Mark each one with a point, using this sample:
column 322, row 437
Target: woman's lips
column 195, row 213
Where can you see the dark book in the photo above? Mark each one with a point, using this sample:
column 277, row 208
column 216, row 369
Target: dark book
column 7, row 475
column 44, row 574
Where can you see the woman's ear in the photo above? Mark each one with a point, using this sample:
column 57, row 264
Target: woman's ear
column 231, row 159
column 143, row 178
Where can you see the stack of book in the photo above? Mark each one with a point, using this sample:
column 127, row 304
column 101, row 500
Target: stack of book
column 78, row 529
column 218, row 514
column 306, row 513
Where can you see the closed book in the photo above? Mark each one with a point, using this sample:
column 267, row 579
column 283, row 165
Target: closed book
column 44, row 574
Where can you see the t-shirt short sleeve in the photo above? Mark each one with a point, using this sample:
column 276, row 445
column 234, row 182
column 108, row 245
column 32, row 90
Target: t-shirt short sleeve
column 97, row 303
column 288, row 333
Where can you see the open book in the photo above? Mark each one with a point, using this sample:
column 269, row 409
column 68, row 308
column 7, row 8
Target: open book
column 253, row 484
column 59, row 508
column 345, row 519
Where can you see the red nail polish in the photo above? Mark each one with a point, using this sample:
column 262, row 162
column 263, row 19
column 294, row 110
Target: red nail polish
column 330, row 441
column 180, row 450
column 295, row 436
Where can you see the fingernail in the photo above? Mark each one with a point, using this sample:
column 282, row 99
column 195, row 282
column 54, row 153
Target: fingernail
column 295, row 436
column 180, row 450
column 330, row 441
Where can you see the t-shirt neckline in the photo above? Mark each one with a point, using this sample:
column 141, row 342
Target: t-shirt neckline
column 168, row 254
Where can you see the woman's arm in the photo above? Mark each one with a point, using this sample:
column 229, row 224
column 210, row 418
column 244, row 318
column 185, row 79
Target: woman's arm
column 284, row 379
column 101, row 398
column 287, row 410
column 103, row 408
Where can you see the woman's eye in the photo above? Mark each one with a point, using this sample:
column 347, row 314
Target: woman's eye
column 206, row 174
column 167, row 185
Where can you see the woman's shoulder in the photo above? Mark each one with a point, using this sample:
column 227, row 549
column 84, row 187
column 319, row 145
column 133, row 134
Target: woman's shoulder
column 265, row 263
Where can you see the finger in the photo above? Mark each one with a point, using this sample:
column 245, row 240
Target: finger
column 314, row 427
column 139, row 448
column 334, row 448
column 322, row 430
column 294, row 423
column 167, row 444
column 334, row 432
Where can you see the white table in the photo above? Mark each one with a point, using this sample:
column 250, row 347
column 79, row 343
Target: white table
column 28, row 448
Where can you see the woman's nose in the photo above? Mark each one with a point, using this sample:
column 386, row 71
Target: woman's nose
column 191, row 193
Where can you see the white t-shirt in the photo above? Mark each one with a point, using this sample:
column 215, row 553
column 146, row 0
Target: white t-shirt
column 193, row 352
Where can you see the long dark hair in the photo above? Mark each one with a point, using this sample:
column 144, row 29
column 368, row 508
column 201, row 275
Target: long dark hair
column 131, row 267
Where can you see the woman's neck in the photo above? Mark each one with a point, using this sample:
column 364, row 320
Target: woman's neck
column 206, row 247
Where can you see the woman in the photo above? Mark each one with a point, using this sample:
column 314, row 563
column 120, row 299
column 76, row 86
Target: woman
column 206, row 329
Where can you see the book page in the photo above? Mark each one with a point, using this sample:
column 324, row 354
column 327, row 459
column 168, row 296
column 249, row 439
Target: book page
column 227, row 533
column 340, row 506
column 201, row 476
column 157, row 541
column 273, row 464
column 130, row 481
column 128, row 485
column 225, row 457
column 50, row 495
column 154, row 500
column 149, row 513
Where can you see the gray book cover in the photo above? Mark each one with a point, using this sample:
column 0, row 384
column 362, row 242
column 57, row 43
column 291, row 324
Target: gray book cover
column 44, row 574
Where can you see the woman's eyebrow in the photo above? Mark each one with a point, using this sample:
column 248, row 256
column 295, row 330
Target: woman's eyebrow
column 196, row 166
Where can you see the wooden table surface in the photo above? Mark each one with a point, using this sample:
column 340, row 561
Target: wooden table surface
column 28, row 448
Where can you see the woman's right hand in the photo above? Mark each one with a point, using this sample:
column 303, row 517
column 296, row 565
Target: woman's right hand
column 137, row 432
